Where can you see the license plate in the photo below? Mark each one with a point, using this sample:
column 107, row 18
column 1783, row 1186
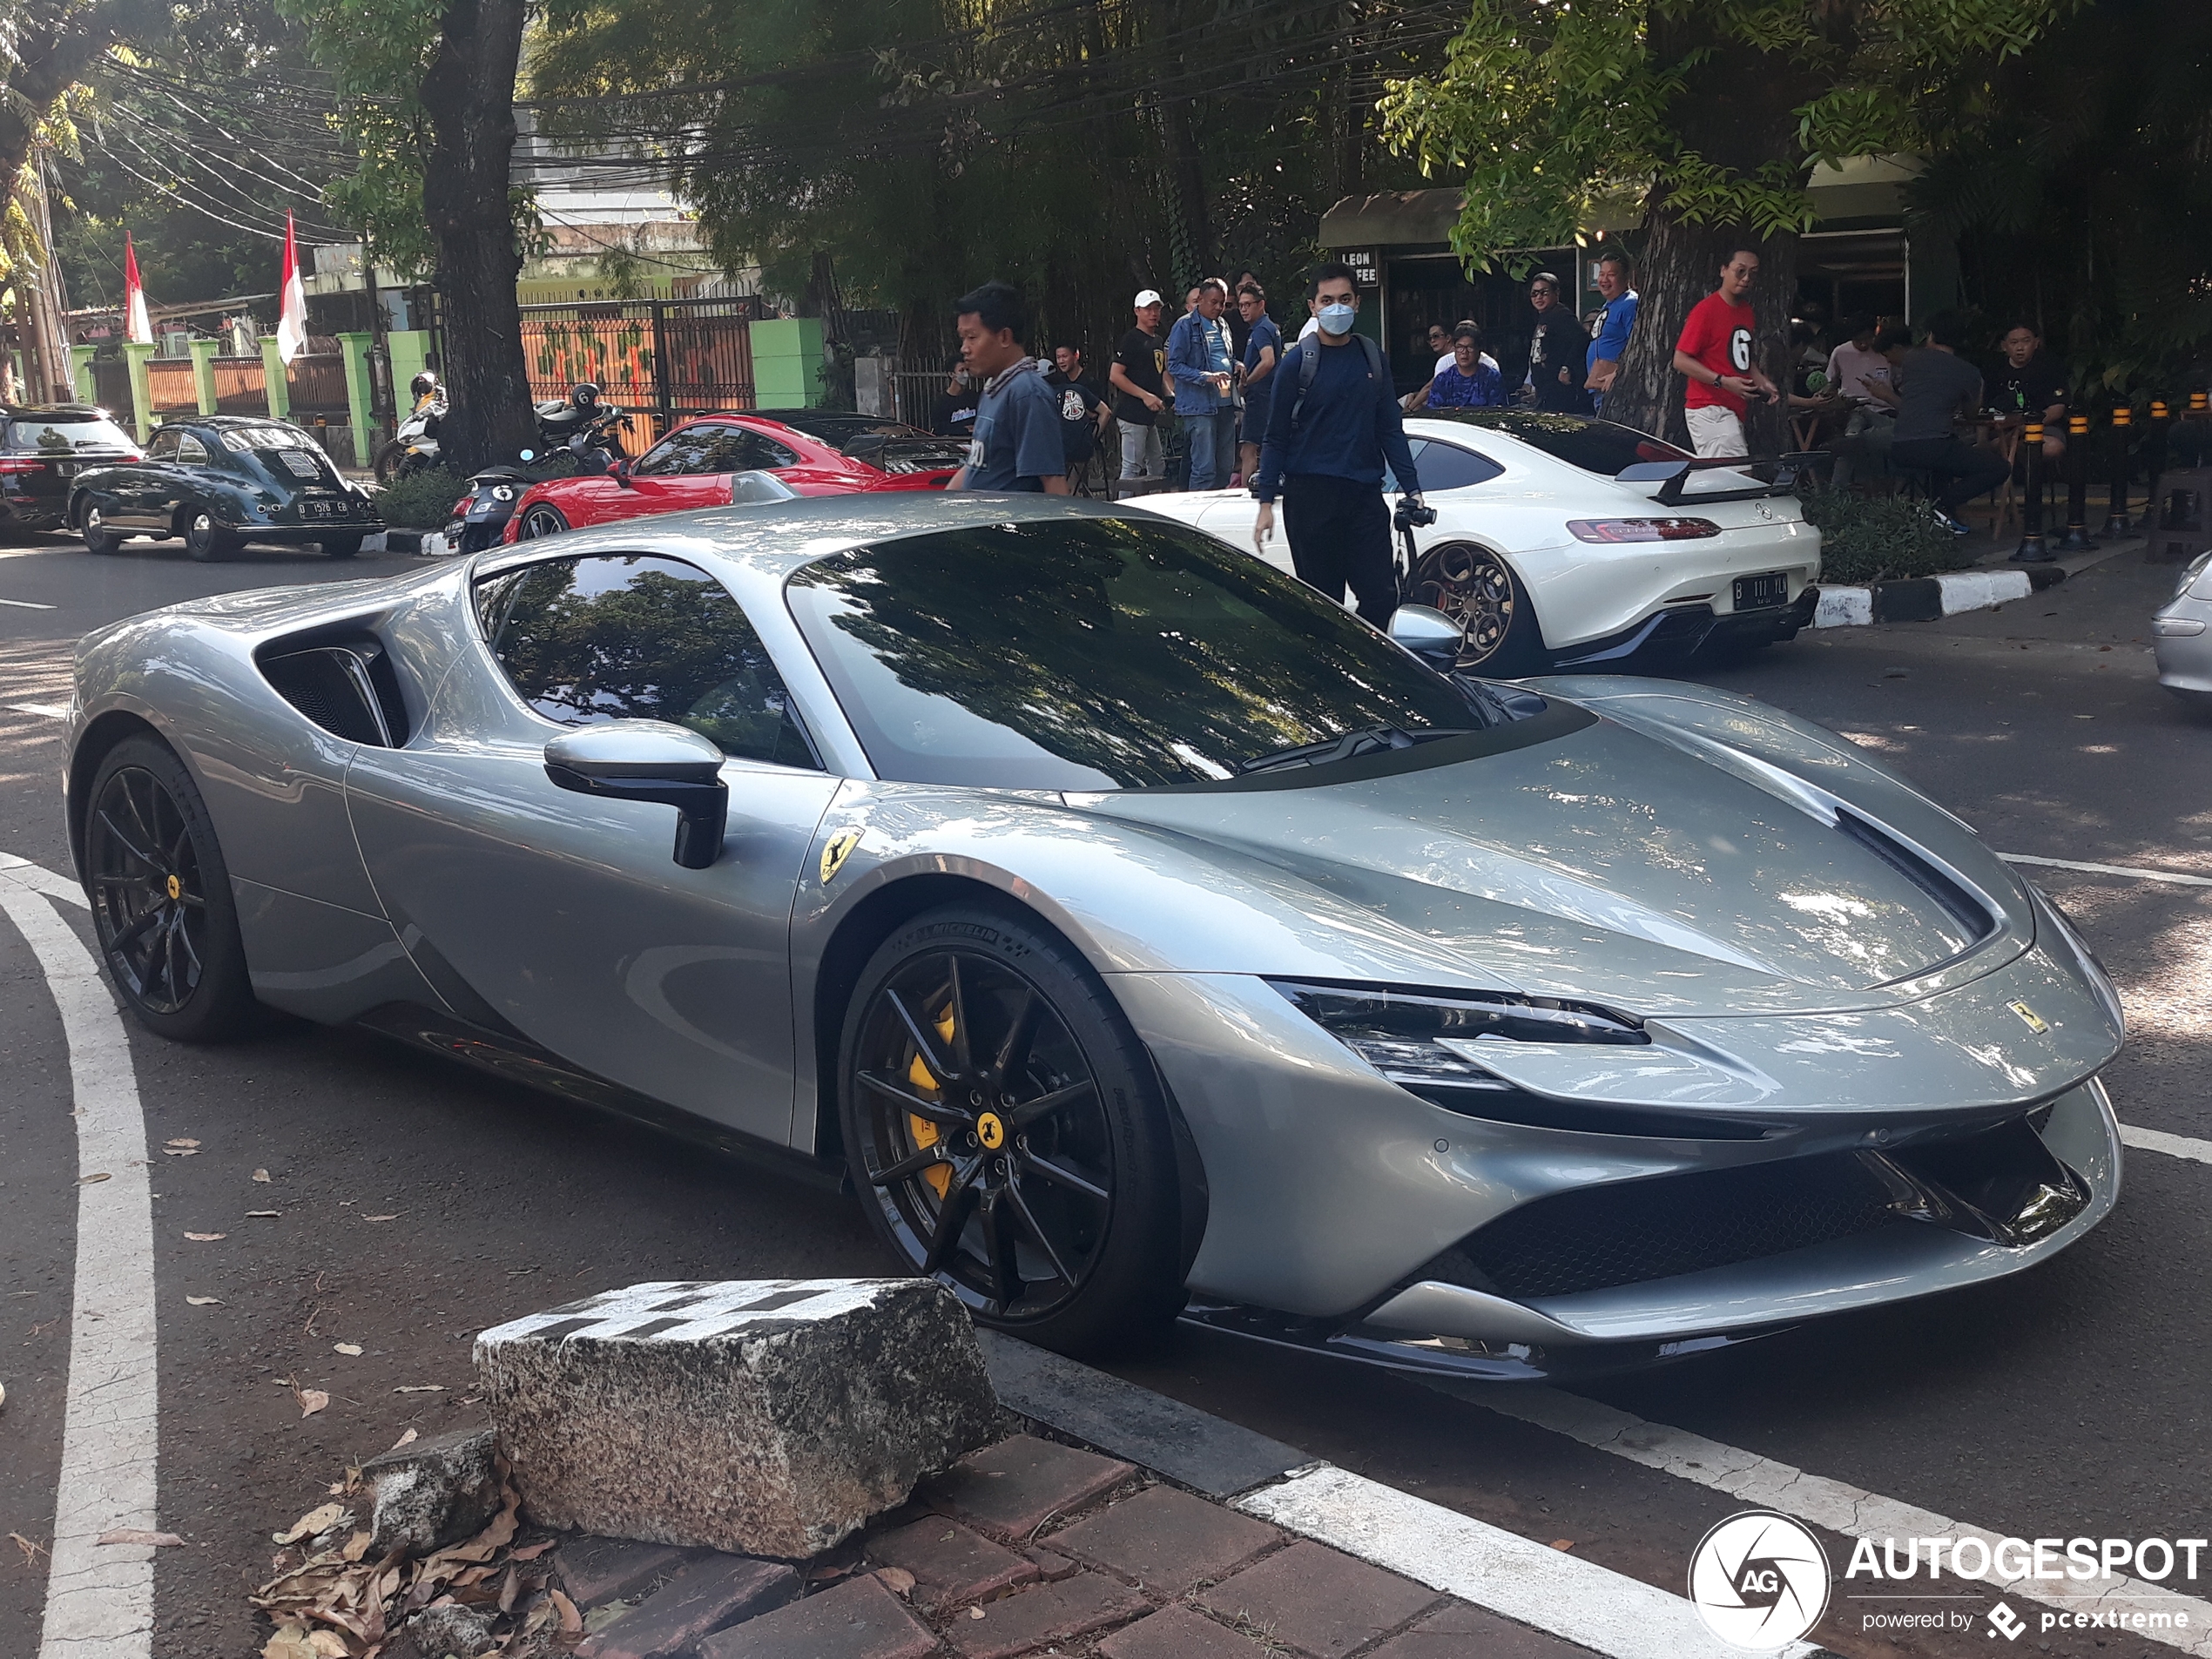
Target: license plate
column 322, row 508
column 1761, row 592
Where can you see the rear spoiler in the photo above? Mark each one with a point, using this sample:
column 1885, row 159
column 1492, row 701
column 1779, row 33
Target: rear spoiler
column 1787, row 472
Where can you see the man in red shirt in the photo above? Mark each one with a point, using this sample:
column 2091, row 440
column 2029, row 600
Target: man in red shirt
column 1716, row 354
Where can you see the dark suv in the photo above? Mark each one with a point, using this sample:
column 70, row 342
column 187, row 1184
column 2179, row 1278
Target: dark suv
column 42, row 451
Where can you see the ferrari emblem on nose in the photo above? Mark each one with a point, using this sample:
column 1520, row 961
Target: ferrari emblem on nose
column 990, row 1131
column 176, row 888
column 836, row 851
column 2030, row 1017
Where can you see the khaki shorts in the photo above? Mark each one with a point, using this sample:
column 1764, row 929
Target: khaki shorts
column 1714, row 430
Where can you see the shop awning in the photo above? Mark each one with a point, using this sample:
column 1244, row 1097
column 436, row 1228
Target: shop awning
column 1397, row 219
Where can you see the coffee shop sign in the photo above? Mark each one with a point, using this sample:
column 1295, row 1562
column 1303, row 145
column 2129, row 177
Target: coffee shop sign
column 1367, row 268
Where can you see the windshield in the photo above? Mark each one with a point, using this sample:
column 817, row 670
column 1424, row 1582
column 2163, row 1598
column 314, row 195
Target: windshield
column 61, row 434
column 1096, row 653
column 1603, row 446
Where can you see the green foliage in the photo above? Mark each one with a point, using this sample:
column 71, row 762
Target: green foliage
column 1874, row 538
column 422, row 502
column 1714, row 110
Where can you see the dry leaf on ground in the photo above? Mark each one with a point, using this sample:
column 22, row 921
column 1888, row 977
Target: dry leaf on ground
column 380, row 1217
column 87, row 1180
column 421, row 1388
column 181, row 1140
column 307, row 1526
column 206, row 1238
column 180, row 1151
column 264, row 1215
column 140, row 1535
column 408, row 1439
column 289, row 1643
column 328, row 1644
column 1562, row 1543
column 261, row 1174
column 205, row 1301
column 352, row 1348
column 31, row 1552
column 897, row 1579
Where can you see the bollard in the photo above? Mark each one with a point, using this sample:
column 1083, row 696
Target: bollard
column 2116, row 520
column 2154, row 459
column 2076, row 461
column 2032, row 550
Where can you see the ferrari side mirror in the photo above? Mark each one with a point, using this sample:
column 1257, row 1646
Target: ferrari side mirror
column 619, row 471
column 1427, row 632
column 649, row 760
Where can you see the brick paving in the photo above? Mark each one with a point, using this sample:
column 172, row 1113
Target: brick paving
column 1027, row 1547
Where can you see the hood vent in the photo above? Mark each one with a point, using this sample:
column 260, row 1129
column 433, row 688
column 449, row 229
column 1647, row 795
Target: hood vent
column 1957, row 901
column 347, row 687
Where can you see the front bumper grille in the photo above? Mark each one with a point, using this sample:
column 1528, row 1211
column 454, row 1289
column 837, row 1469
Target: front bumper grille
column 1998, row 1181
column 1594, row 1237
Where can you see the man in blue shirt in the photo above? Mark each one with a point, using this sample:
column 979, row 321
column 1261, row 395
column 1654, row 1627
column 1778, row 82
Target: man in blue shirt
column 1468, row 382
column 1017, row 444
column 1203, row 371
column 1263, row 354
column 1332, row 424
column 1609, row 340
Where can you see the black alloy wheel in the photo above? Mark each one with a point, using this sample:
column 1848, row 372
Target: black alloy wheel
column 161, row 896
column 92, row 526
column 541, row 520
column 1477, row 589
column 1005, row 1133
column 204, row 538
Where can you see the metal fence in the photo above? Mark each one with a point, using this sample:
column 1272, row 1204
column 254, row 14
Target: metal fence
column 665, row 359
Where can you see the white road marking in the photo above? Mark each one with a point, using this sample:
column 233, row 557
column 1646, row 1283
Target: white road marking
column 25, row 604
column 99, row 1598
column 42, row 880
column 2175, row 1146
column 2175, row 876
column 1517, row 1577
column 51, row 711
column 1760, row 1482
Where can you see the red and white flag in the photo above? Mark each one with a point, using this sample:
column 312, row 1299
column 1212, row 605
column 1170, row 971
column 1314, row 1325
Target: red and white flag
column 291, row 319
column 135, row 325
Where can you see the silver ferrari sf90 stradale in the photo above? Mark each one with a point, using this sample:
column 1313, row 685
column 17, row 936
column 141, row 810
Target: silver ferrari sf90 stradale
column 1139, row 933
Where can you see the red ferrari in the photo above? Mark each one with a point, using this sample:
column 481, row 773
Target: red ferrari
column 816, row 452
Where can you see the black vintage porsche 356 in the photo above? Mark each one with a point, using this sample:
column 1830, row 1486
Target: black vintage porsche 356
column 222, row 481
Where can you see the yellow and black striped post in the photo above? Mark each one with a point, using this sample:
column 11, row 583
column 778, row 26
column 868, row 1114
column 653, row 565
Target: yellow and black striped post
column 2076, row 460
column 2032, row 550
column 2123, row 426
column 2155, row 456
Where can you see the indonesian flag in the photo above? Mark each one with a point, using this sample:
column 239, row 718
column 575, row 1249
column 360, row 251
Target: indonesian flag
column 291, row 320
column 135, row 326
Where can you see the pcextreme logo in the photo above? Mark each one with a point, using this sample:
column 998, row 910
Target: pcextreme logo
column 1759, row 1580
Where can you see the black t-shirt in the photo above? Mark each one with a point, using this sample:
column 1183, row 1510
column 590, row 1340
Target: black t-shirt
column 954, row 415
column 1143, row 358
column 2030, row 390
column 1079, row 402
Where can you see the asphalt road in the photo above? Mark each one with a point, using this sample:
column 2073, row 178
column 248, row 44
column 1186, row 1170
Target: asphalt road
column 418, row 1204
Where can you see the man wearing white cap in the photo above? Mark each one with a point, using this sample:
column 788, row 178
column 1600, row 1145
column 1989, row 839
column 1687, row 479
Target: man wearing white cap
column 1139, row 379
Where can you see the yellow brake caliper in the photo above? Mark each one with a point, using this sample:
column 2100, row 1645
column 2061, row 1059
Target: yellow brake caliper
column 940, row 1176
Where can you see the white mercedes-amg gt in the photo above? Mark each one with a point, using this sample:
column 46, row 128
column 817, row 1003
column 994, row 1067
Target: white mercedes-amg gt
column 1568, row 543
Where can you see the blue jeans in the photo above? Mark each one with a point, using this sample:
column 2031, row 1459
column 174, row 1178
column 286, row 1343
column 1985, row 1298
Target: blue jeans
column 1213, row 449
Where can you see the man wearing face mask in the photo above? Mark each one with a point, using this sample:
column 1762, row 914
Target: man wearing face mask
column 1332, row 423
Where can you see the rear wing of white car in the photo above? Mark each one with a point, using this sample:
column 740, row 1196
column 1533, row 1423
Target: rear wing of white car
column 1788, row 471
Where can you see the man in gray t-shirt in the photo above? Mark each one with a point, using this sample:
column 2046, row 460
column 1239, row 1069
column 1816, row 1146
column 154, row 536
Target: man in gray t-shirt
column 1017, row 444
column 1934, row 386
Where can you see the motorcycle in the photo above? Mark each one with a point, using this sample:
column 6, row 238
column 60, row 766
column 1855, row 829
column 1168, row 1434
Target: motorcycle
column 414, row 447
column 581, row 439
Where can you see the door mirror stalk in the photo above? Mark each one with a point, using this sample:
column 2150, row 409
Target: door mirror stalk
column 649, row 760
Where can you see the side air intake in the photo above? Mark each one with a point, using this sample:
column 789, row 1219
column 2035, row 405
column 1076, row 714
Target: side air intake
column 346, row 687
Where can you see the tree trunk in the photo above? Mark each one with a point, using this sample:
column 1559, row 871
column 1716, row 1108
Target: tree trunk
column 1680, row 266
column 469, row 92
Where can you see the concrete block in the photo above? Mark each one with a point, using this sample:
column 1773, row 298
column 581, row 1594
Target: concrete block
column 1980, row 590
column 1844, row 608
column 761, row 1417
column 433, row 1492
column 706, row 1596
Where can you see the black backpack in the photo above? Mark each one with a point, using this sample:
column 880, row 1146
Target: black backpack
column 1309, row 365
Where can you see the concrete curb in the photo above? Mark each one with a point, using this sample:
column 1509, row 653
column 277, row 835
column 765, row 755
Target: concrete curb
column 1926, row 598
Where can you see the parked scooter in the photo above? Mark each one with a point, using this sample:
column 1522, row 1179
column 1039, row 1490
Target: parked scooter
column 414, row 447
column 580, row 437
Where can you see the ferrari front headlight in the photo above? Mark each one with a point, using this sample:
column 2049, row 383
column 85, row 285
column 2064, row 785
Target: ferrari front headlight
column 1397, row 1030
